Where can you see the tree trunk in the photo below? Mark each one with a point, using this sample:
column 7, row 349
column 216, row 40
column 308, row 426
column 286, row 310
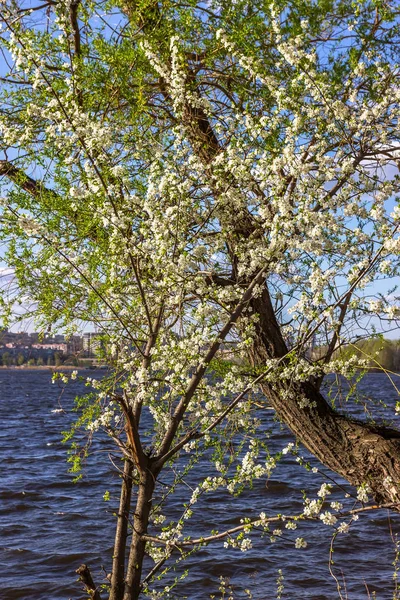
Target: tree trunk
column 118, row 566
column 140, row 523
column 358, row 451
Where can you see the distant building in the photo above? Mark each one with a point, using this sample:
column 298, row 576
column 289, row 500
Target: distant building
column 75, row 344
column 310, row 348
column 34, row 344
column 7, row 337
column 91, row 343
column 57, row 347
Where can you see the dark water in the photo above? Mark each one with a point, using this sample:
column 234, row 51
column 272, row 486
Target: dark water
column 49, row 525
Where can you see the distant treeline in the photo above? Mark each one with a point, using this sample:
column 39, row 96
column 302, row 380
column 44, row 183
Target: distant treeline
column 377, row 352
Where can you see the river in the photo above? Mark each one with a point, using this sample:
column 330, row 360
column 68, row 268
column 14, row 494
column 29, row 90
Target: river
column 49, row 525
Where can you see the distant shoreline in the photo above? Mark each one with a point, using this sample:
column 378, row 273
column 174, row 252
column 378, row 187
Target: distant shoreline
column 49, row 368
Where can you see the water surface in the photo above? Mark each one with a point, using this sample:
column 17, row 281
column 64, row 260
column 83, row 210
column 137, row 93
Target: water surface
column 49, row 525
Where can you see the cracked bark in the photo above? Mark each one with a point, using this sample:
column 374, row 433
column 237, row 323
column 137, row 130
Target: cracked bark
column 358, row 451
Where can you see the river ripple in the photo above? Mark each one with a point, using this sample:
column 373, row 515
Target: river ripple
column 50, row 525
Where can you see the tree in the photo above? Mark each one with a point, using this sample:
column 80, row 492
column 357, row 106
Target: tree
column 6, row 359
column 203, row 182
column 20, row 359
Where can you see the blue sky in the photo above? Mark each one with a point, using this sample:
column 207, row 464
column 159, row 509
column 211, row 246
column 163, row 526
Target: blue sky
column 378, row 287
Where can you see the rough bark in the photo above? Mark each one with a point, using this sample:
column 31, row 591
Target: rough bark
column 118, row 565
column 138, row 545
column 358, row 451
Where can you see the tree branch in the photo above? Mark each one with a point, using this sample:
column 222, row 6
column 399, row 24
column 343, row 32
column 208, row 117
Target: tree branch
column 87, row 580
column 22, row 180
column 75, row 26
column 262, row 522
column 135, row 445
column 203, row 365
